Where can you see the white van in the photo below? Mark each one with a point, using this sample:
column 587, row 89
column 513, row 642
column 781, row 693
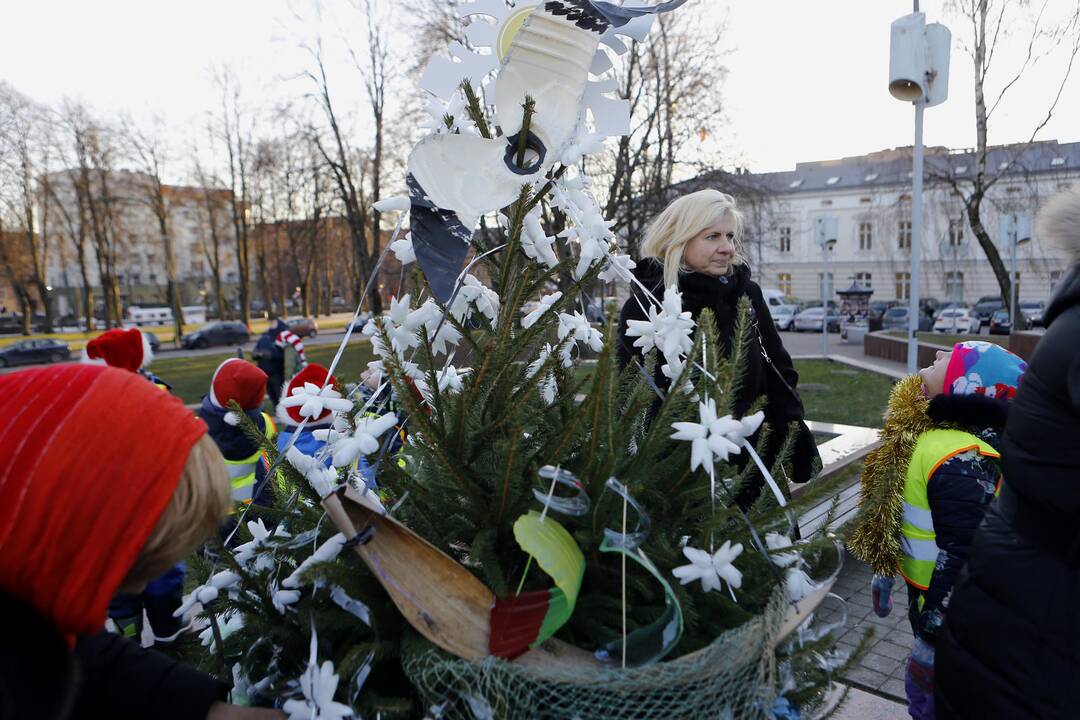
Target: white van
column 150, row 316
column 775, row 298
column 138, row 316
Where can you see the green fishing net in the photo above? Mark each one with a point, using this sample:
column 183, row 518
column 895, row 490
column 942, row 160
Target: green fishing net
column 733, row 677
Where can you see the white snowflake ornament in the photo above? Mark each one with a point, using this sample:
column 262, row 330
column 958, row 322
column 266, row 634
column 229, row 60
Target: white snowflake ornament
column 715, row 437
column 318, row 685
column 546, row 303
column 577, row 328
column 314, row 400
column 451, row 379
column 322, row 479
column 253, row 550
column 618, row 268
column 403, row 249
column 475, row 293
column 711, row 569
column 548, row 386
column 365, row 439
column 535, row 243
column 798, row 583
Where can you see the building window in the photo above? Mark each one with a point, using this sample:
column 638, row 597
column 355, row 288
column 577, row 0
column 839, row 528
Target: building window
column 865, row 279
column 903, row 239
column 954, row 286
column 1055, row 278
column 785, row 239
column 903, row 286
column 956, row 233
column 866, row 235
column 783, row 280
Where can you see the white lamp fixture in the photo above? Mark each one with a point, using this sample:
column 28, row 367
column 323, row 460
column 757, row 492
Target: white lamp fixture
column 918, row 73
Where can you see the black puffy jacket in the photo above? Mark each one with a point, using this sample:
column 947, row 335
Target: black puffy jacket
column 106, row 676
column 1010, row 647
column 721, row 295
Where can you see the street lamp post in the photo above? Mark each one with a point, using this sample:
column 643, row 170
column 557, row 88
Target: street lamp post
column 918, row 73
column 825, row 227
column 1016, row 228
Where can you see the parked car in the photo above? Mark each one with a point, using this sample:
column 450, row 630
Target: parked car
column 951, row 306
column 812, row 320
column 11, row 324
column 983, row 309
column 29, row 352
column 1033, row 312
column 784, row 316
column 953, row 320
column 152, row 341
column 1000, row 323
column 361, row 321
column 220, row 333
column 303, row 326
column 896, row 318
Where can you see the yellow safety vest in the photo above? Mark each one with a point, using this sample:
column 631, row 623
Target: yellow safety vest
column 918, row 541
column 242, row 472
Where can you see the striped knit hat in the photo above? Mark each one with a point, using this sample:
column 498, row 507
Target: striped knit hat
column 91, row 457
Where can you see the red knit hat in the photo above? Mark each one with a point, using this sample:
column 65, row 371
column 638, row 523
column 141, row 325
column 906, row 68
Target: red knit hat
column 313, row 374
column 127, row 349
column 238, row 380
column 79, row 496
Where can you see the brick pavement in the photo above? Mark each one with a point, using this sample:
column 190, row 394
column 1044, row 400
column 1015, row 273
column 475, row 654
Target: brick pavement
column 881, row 669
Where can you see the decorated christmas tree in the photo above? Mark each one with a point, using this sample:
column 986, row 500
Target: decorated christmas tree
column 504, row 523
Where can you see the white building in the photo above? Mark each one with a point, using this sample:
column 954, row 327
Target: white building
column 870, row 197
column 134, row 228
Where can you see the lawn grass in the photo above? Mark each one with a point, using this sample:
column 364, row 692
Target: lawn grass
column 831, row 392
column 190, row 376
column 836, row 393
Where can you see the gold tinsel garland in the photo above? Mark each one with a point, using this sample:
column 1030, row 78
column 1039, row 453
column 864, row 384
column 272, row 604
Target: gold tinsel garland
column 876, row 538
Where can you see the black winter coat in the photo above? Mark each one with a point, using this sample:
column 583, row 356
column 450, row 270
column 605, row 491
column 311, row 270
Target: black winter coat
column 106, row 676
column 1010, row 647
column 721, row 295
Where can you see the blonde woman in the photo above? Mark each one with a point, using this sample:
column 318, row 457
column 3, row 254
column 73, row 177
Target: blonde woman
column 695, row 244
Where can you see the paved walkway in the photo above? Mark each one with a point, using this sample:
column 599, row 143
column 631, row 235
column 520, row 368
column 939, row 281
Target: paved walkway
column 807, row 345
column 881, row 669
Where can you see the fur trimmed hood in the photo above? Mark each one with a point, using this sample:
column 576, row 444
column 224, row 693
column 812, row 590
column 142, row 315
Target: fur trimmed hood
column 970, row 412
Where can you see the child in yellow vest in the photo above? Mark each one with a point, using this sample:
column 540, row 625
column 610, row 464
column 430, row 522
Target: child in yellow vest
column 926, row 489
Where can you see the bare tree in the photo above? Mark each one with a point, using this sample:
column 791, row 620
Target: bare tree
column 347, row 170
column 215, row 205
column 991, row 23
column 152, row 153
column 94, row 157
column 236, row 138
column 69, row 195
column 673, row 83
column 376, row 71
column 25, row 152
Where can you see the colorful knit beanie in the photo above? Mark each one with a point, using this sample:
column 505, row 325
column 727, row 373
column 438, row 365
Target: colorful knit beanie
column 982, row 368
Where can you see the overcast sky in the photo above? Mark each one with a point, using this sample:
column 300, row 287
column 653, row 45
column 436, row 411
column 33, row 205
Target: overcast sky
column 807, row 80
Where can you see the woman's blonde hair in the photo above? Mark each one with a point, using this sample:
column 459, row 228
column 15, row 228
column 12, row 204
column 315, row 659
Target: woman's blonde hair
column 682, row 221
column 200, row 502
column 1058, row 223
